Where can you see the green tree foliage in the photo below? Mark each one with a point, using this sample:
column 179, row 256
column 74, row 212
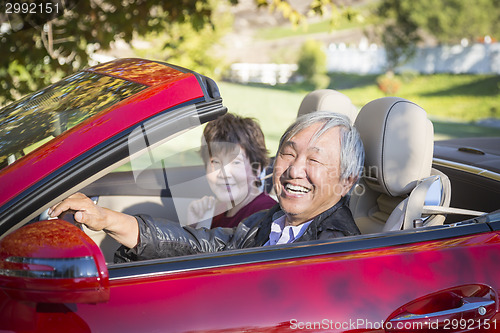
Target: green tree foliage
column 312, row 64
column 188, row 47
column 451, row 20
column 399, row 34
column 404, row 23
column 36, row 53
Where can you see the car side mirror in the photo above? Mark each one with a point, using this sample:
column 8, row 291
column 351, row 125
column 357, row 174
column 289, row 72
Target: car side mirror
column 52, row 262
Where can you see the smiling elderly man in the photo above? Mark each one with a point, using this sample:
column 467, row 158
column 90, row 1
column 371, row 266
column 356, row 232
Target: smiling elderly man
column 320, row 157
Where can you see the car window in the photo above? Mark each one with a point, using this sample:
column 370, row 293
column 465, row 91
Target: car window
column 174, row 167
column 181, row 150
column 37, row 118
column 164, row 175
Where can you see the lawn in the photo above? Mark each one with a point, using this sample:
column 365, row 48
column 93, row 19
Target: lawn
column 323, row 26
column 453, row 102
column 456, row 97
column 275, row 109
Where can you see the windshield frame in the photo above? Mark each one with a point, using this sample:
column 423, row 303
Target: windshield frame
column 44, row 115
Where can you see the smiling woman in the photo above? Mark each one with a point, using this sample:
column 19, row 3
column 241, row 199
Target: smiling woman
column 234, row 153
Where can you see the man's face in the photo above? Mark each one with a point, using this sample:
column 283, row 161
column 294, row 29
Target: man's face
column 306, row 174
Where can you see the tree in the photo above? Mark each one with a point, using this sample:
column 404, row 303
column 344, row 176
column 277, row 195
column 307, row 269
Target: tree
column 452, row 20
column 40, row 51
column 312, row 64
column 400, row 33
column 44, row 48
column 448, row 21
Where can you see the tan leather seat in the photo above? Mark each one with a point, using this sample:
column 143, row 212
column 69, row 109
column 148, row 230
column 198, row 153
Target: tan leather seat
column 327, row 100
column 398, row 139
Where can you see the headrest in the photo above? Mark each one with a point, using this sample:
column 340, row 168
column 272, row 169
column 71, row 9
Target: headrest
column 327, row 100
column 398, row 139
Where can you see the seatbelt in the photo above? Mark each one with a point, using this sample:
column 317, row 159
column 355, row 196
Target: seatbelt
column 433, row 210
column 415, row 207
column 416, row 200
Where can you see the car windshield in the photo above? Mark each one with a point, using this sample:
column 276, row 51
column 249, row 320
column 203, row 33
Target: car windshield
column 42, row 116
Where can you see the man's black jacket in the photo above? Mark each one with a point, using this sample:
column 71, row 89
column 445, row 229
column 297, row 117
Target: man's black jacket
column 168, row 239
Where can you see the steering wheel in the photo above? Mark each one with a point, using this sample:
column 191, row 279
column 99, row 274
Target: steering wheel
column 68, row 216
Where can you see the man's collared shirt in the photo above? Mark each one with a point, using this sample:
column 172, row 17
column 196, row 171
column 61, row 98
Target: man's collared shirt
column 284, row 235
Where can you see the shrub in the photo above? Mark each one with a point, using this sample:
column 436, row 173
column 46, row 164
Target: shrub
column 320, row 81
column 408, row 75
column 388, row 83
column 312, row 64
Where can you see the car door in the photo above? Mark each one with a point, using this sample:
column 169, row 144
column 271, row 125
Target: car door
column 435, row 279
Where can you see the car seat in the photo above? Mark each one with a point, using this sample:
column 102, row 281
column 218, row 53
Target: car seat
column 327, row 100
column 398, row 179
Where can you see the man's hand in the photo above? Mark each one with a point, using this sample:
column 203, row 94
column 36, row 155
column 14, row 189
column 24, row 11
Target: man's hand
column 122, row 227
column 86, row 211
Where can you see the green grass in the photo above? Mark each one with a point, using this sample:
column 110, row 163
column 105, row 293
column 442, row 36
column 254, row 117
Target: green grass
column 275, row 109
column 311, row 28
column 453, row 102
column 456, row 97
column 452, row 129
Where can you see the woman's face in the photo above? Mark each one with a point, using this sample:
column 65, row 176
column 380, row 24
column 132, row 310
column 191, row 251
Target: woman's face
column 230, row 176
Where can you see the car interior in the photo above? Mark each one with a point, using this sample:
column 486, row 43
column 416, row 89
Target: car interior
column 399, row 188
column 398, row 140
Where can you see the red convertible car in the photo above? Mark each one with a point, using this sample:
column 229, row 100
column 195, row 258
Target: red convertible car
column 127, row 134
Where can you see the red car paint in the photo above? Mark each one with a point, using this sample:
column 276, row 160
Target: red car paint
column 53, row 240
column 141, row 71
column 175, row 88
column 354, row 292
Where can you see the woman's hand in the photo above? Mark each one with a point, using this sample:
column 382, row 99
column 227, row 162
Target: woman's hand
column 199, row 210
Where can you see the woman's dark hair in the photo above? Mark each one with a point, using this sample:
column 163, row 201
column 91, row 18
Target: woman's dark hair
column 234, row 129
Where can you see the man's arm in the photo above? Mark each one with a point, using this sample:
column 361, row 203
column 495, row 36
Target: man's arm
column 145, row 238
column 122, row 227
column 160, row 239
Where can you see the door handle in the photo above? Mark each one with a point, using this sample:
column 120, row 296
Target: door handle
column 471, row 308
column 459, row 309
